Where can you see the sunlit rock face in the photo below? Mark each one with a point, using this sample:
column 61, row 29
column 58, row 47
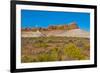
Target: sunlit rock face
column 66, row 30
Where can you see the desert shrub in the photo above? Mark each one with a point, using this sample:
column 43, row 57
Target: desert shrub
column 51, row 56
column 59, row 54
column 47, row 57
column 86, row 46
column 54, row 49
column 41, row 45
column 72, row 51
column 28, row 58
column 42, row 57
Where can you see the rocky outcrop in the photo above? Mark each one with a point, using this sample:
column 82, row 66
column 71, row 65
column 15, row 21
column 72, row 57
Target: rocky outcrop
column 70, row 26
column 73, row 26
column 67, row 30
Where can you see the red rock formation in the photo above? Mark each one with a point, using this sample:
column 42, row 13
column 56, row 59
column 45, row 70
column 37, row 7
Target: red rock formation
column 70, row 26
column 73, row 25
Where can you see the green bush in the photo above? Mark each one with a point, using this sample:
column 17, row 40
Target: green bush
column 53, row 54
column 42, row 57
column 73, row 52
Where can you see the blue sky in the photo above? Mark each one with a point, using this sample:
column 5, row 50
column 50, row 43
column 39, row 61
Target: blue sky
column 36, row 18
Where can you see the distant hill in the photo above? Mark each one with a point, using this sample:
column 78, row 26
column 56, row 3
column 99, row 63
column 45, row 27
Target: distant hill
column 70, row 26
column 66, row 30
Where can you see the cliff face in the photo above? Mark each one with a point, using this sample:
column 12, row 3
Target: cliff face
column 64, row 27
column 73, row 26
column 70, row 26
column 61, row 30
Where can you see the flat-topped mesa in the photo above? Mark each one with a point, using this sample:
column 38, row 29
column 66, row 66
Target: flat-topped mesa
column 70, row 26
column 64, row 27
column 58, row 27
